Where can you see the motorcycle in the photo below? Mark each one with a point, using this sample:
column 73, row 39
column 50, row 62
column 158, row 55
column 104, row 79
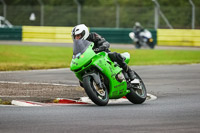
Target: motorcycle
column 103, row 79
column 144, row 40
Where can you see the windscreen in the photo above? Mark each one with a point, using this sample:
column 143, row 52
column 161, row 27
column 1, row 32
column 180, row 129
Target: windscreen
column 79, row 47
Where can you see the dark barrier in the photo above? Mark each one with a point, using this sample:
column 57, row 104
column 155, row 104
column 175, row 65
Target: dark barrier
column 14, row 33
column 119, row 35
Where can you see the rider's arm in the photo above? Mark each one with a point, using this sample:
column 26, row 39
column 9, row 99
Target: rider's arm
column 99, row 41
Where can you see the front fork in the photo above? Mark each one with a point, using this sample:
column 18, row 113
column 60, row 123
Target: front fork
column 96, row 77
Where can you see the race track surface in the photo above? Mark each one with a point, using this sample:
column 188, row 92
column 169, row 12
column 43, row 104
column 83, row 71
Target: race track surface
column 176, row 110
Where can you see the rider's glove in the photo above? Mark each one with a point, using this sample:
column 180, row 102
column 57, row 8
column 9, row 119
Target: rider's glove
column 101, row 48
column 96, row 50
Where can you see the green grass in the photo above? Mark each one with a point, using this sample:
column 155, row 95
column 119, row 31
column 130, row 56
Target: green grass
column 5, row 102
column 17, row 57
column 163, row 57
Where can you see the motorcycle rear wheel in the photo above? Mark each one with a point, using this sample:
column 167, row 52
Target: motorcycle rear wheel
column 138, row 93
column 98, row 95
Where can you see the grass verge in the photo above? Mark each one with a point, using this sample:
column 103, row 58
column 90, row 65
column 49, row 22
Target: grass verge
column 17, row 57
column 5, row 102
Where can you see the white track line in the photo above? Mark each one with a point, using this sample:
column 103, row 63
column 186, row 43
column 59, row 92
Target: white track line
column 35, row 83
column 41, row 70
column 152, row 97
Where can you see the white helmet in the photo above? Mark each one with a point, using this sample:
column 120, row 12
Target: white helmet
column 80, row 29
column 137, row 24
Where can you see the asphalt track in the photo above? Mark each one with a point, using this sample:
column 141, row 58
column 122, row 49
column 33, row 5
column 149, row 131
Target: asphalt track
column 177, row 109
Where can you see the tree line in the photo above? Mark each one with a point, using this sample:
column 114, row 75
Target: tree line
column 104, row 2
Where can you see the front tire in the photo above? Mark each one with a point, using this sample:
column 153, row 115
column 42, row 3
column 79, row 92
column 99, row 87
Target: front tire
column 138, row 91
column 137, row 45
column 98, row 95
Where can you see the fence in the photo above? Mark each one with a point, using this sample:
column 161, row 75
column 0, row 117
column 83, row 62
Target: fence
column 102, row 16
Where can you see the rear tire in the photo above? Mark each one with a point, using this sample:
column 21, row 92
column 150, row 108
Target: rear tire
column 138, row 93
column 97, row 95
column 151, row 45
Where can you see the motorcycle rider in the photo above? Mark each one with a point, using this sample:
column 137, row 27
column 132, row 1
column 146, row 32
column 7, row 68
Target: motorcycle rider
column 137, row 29
column 100, row 44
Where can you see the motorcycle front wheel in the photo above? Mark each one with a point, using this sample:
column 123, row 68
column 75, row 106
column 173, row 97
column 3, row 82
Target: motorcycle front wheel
column 98, row 95
column 138, row 91
column 137, row 45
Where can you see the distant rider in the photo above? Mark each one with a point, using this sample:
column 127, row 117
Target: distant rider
column 137, row 29
column 100, row 44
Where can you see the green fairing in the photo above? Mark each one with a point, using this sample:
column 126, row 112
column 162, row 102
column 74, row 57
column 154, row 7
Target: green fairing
column 89, row 59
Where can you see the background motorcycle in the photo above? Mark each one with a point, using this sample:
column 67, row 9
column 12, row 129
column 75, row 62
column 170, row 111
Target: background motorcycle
column 144, row 40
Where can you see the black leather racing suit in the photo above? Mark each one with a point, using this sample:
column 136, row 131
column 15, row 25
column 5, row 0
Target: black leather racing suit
column 102, row 45
column 137, row 31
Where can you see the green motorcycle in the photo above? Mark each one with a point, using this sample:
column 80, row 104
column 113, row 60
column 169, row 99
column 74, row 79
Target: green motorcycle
column 103, row 79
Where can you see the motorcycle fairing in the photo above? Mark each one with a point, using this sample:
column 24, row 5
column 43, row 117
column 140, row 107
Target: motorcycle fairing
column 88, row 59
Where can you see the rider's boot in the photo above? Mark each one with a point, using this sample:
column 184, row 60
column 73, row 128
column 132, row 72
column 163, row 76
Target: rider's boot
column 120, row 60
column 128, row 70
